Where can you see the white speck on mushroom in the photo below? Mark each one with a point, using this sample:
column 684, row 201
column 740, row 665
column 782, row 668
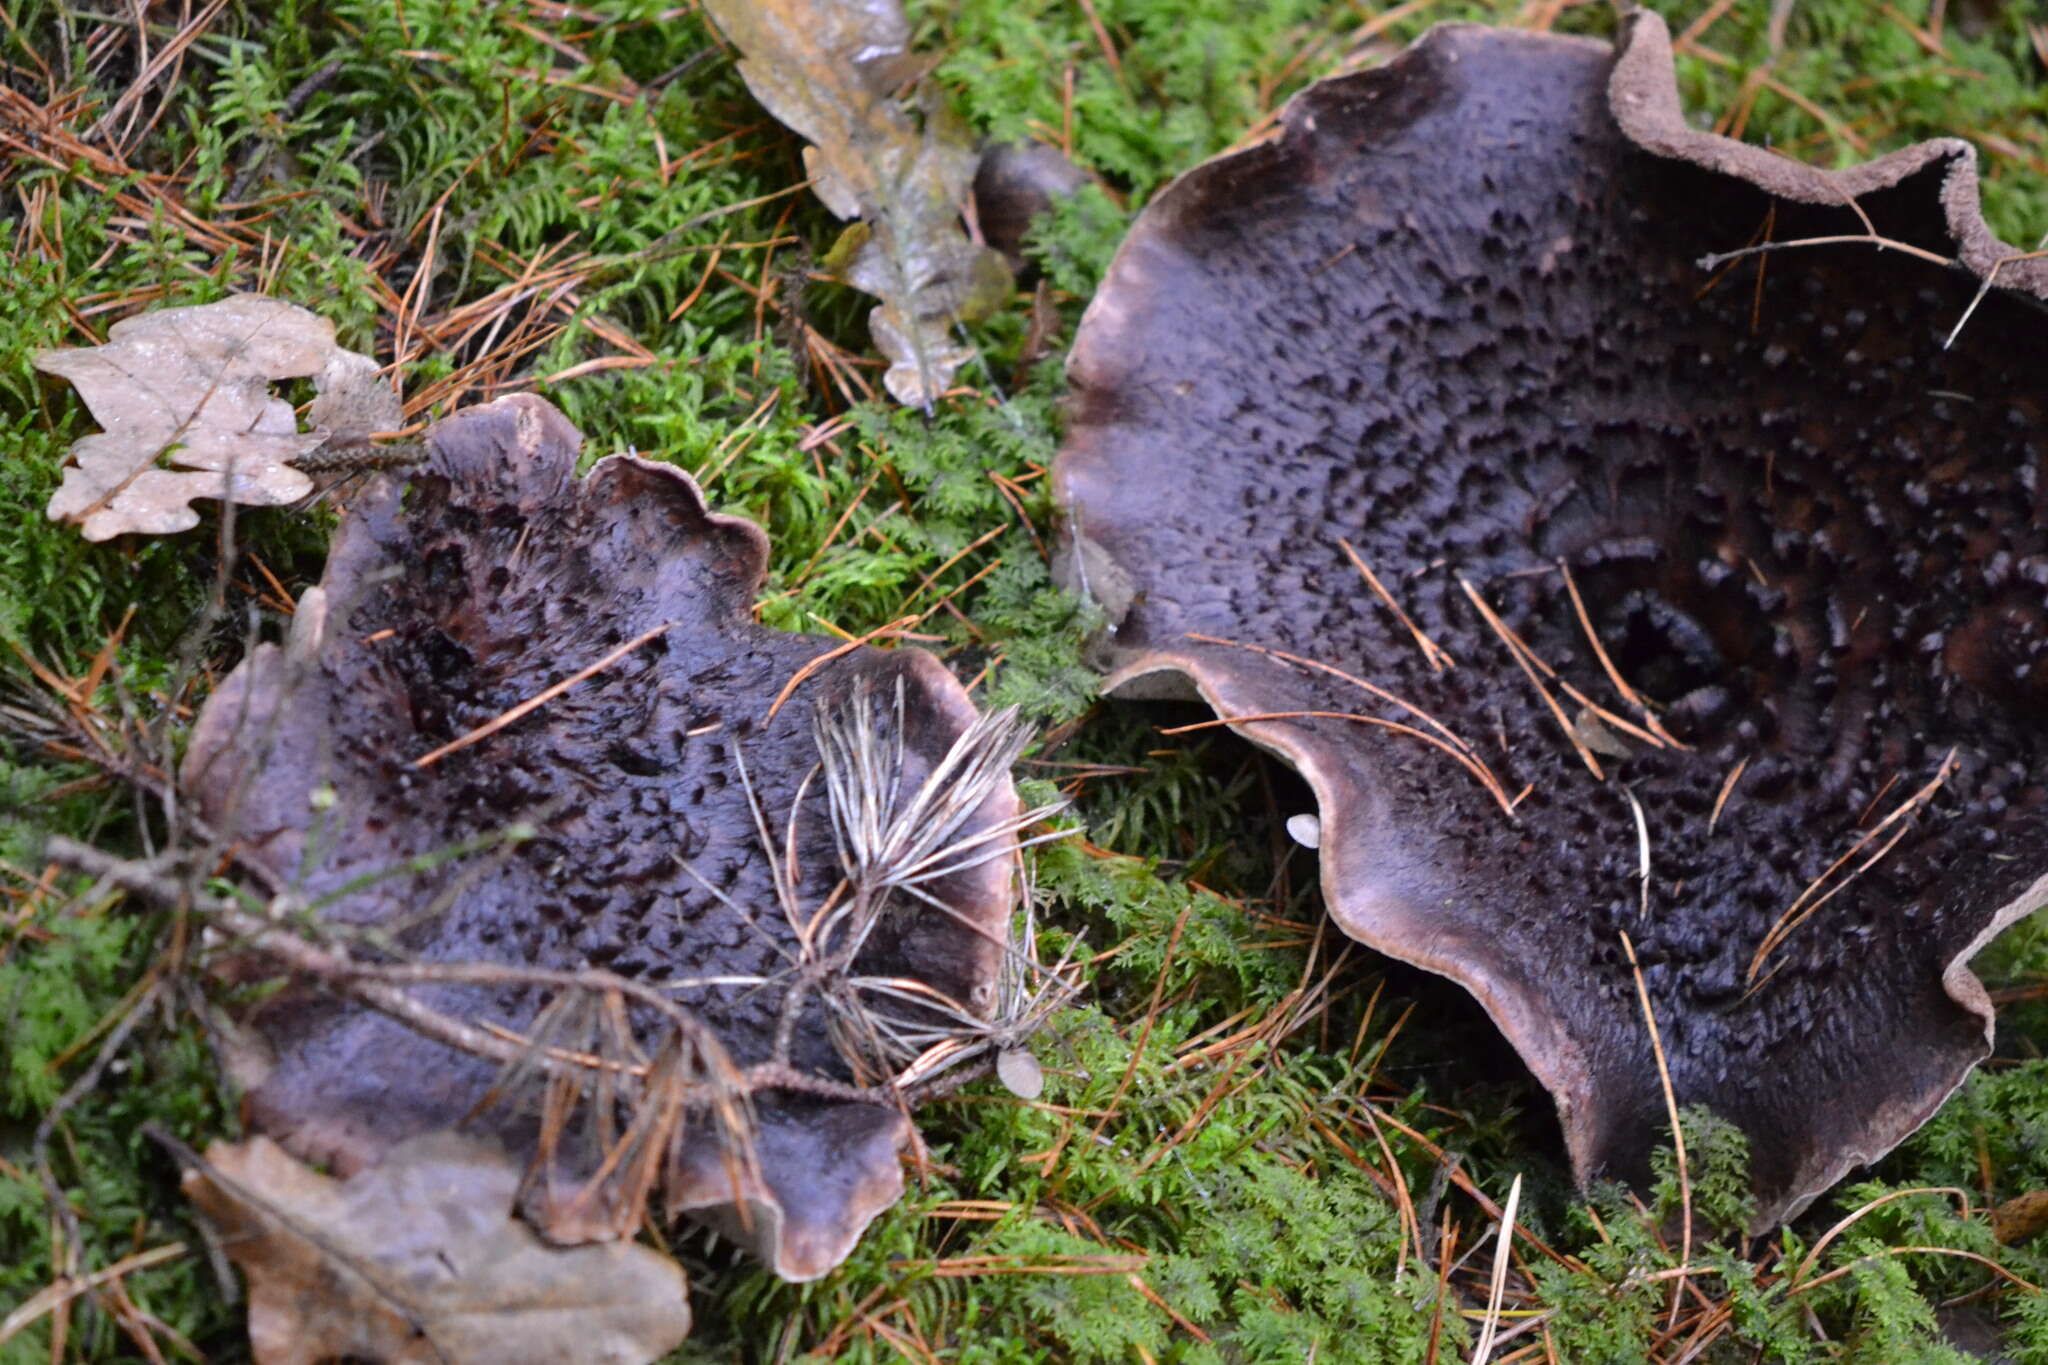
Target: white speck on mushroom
column 1305, row 830
column 1552, row 253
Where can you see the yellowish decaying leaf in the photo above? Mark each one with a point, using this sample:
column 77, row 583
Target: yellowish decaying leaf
column 829, row 69
column 2020, row 1218
column 420, row 1259
column 183, row 399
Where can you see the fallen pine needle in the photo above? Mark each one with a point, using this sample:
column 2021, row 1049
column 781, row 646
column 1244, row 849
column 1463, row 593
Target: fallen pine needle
column 1677, row 1129
column 1727, row 786
column 542, row 698
column 64, row 1290
column 1800, row 911
column 1871, row 805
column 1410, row 707
column 1985, row 1261
column 1798, row 1278
column 1620, row 723
column 1464, row 760
column 1436, row 656
column 1503, row 1256
column 803, row 675
column 1523, row 656
column 1628, row 694
column 1152, row 1296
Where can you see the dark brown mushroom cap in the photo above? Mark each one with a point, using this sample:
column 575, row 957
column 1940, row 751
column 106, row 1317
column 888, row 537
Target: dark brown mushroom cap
column 1454, row 316
column 1016, row 184
column 494, row 574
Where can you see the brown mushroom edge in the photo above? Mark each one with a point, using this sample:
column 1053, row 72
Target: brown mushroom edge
column 1481, row 449
column 490, row 574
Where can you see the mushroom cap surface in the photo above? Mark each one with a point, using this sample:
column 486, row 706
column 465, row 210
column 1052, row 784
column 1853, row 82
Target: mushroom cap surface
column 491, row 574
column 1451, row 327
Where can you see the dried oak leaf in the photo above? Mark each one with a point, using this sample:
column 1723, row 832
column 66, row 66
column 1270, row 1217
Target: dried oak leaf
column 488, row 575
column 191, row 387
column 421, row 1259
column 1462, row 441
column 830, row 71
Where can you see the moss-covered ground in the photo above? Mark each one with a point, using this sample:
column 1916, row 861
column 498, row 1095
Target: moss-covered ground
column 1256, row 1144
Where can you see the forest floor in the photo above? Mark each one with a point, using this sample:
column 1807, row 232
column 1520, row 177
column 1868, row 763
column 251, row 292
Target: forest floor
column 1258, row 1143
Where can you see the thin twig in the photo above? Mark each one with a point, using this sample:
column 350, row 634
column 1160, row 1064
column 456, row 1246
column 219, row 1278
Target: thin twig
column 1990, row 278
column 1710, row 262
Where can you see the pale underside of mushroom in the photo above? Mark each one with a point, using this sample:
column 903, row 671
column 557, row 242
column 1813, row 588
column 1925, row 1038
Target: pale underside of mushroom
column 1610, row 604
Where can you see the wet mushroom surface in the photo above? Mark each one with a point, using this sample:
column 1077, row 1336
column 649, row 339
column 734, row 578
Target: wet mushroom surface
column 1619, row 610
column 358, row 766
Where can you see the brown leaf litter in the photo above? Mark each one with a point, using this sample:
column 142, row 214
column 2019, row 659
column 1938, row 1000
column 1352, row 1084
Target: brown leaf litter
column 422, row 1259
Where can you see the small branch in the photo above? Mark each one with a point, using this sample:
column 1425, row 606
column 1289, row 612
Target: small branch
column 258, row 934
column 265, row 147
column 382, row 987
column 1985, row 288
column 357, row 455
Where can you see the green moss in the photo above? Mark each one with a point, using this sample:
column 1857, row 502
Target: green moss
column 647, row 167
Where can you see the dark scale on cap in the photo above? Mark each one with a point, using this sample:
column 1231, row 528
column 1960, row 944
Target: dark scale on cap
column 1455, row 317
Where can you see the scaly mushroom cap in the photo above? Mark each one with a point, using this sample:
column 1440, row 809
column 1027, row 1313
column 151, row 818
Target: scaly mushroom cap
column 495, row 574
column 1454, row 318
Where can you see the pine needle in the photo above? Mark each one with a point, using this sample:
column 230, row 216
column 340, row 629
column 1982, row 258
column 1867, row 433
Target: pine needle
column 1677, row 1128
column 1433, row 654
column 1523, row 657
column 541, row 698
column 1806, row 904
column 1503, row 1258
